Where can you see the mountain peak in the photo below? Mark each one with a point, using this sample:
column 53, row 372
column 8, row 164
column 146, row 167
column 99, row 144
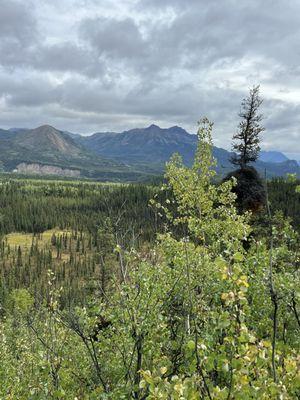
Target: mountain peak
column 153, row 126
column 173, row 129
column 46, row 129
column 46, row 138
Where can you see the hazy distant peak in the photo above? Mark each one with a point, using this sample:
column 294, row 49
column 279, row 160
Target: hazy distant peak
column 155, row 130
column 172, row 129
column 153, row 126
column 273, row 156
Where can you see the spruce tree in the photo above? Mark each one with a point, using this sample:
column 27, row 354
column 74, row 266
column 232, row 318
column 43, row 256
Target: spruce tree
column 247, row 139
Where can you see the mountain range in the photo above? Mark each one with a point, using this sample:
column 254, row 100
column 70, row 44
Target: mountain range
column 133, row 155
column 48, row 151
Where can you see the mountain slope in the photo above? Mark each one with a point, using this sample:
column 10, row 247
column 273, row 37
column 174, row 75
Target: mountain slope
column 131, row 155
column 272, row 156
column 46, row 150
column 47, row 138
column 150, row 148
column 150, row 145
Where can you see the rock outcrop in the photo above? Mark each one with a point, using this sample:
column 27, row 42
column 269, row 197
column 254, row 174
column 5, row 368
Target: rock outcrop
column 41, row 169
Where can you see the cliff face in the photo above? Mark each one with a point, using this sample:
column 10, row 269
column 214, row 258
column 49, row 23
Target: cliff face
column 40, row 169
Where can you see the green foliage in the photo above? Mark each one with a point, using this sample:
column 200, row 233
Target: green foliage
column 20, row 300
column 285, row 196
column 191, row 316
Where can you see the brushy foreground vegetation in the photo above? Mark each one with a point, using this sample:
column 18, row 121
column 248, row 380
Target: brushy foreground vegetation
column 96, row 309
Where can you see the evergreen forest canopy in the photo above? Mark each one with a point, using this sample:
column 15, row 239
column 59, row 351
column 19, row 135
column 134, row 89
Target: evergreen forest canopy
column 145, row 292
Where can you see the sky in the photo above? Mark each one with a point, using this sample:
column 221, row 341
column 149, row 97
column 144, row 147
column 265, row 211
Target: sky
column 110, row 65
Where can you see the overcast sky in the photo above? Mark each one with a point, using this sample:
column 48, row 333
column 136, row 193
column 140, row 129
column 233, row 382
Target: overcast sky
column 97, row 65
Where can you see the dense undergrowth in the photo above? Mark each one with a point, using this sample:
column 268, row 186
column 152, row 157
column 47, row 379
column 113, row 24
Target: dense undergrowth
column 100, row 310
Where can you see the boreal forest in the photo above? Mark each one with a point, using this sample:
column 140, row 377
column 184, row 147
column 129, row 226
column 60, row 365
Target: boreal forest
column 184, row 288
column 149, row 200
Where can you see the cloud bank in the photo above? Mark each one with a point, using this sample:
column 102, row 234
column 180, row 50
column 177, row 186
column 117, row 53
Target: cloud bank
column 87, row 65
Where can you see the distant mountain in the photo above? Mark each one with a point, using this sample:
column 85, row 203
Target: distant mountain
column 273, row 157
column 48, row 142
column 151, row 145
column 149, row 149
column 136, row 154
column 46, row 150
column 18, row 130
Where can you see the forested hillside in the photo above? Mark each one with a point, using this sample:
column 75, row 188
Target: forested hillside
column 136, row 291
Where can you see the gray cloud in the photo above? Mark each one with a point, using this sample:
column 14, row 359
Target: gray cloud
column 67, row 57
column 18, row 31
column 114, row 38
column 89, row 65
column 16, row 21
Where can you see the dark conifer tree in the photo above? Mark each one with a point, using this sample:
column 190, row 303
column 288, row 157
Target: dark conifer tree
column 53, row 239
column 19, row 258
column 247, row 139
